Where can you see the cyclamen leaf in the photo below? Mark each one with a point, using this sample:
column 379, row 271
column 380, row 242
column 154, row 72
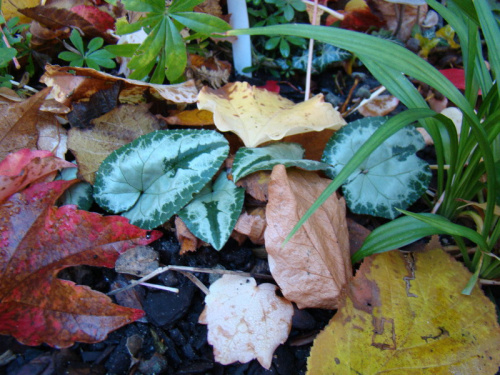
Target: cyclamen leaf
column 392, row 177
column 213, row 213
column 153, row 177
column 248, row 159
column 37, row 241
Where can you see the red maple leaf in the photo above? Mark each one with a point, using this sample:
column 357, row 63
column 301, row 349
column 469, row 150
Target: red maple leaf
column 37, row 240
column 102, row 21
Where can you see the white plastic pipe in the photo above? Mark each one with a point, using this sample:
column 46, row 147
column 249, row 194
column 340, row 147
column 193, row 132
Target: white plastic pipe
column 242, row 50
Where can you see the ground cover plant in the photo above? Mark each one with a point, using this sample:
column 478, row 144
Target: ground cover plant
column 151, row 223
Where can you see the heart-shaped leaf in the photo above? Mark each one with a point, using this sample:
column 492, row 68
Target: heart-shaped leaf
column 153, row 177
column 391, row 177
column 212, row 214
column 248, row 159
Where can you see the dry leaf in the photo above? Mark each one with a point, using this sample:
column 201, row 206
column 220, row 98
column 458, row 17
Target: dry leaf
column 245, row 321
column 405, row 315
column 259, row 116
column 68, row 88
column 313, row 267
column 379, row 106
column 18, row 127
column 390, row 13
column 256, row 185
column 138, row 261
column 313, row 142
column 10, row 9
column 111, row 131
column 193, row 117
column 188, row 241
column 253, row 225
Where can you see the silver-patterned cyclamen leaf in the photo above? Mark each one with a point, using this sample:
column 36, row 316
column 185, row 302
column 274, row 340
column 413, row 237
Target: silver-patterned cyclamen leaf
column 391, row 177
column 212, row 214
column 153, row 177
column 252, row 159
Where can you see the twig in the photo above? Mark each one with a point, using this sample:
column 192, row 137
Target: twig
column 489, row 282
column 349, row 95
column 364, row 102
column 29, row 88
column 182, row 269
column 196, row 281
column 310, row 55
column 334, row 13
column 162, row 287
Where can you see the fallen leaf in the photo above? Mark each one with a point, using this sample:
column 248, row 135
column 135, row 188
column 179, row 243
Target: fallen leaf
column 209, row 69
column 313, row 142
column 57, row 18
column 24, row 167
column 68, row 88
column 18, row 128
column 10, row 9
column 405, row 311
column 314, row 266
column 110, row 131
column 193, row 117
column 256, row 185
column 138, row 261
column 38, row 240
column 389, row 11
column 357, row 16
column 259, row 116
column 245, row 321
column 99, row 103
column 379, row 106
column 253, row 225
column 187, row 240
column 102, row 21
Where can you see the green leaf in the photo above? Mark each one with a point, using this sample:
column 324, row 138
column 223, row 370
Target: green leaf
column 272, row 42
column 122, row 50
column 154, row 6
column 205, row 24
column 392, row 177
column 183, row 5
column 150, row 49
column 6, row 55
column 212, row 214
column 80, row 62
column 94, row 45
column 252, row 159
column 175, row 52
column 284, row 48
column 77, row 41
column 79, row 194
column 153, row 177
column 69, row 56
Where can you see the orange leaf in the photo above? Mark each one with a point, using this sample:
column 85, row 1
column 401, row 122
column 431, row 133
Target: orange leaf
column 314, row 266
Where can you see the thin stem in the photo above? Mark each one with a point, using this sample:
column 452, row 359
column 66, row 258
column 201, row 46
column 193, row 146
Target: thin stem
column 337, row 15
column 310, row 55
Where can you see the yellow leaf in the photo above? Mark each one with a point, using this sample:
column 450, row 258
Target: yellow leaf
column 258, row 116
column 405, row 315
column 9, row 9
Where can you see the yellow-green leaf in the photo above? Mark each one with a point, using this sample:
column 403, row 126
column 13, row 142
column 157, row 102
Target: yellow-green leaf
column 404, row 314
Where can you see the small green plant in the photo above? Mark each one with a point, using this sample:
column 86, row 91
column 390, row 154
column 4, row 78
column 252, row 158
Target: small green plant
column 93, row 56
column 467, row 165
column 14, row 44
column 164, row 52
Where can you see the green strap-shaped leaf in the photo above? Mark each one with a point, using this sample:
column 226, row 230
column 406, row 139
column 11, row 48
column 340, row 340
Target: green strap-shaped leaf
column 252, row 159
column 392, row 177
column 153, row 177
column 212, row 214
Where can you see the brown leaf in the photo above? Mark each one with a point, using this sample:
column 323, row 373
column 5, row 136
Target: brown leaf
column 57, row 18
column 138, row 261
column 253, row 225
column 314, row 266
column 189, row 242
column 259, row 116
column 111, row 131
column 256, row 185
column 379, row 106
column 18, row 127
column 390, row 13
column 68, row 88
